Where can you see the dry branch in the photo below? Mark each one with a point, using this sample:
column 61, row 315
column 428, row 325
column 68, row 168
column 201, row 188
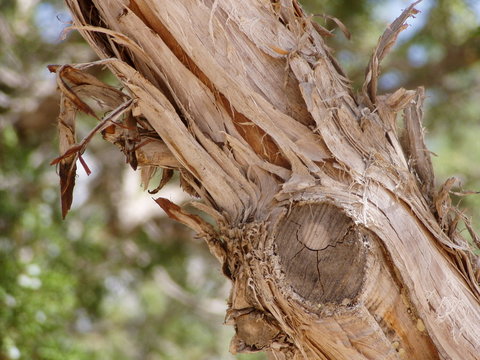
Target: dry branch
column 326, row 223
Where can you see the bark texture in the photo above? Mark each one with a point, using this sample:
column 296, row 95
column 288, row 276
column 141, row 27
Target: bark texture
column 326, row 217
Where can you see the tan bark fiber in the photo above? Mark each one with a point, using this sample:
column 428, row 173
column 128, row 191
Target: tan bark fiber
column 326, row 217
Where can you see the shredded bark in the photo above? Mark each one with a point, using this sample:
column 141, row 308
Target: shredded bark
column 244, row 100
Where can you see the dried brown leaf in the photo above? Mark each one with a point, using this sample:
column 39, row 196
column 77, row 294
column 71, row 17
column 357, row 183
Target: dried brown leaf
column 67, row 174
column 85, row 84
column 70, row 94
column 80, row 148
column 66, row 165
column 71, row 151
column 76, row 76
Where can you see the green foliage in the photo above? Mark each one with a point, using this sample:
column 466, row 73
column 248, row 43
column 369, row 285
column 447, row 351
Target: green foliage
column 93, row 287
column 37, row 284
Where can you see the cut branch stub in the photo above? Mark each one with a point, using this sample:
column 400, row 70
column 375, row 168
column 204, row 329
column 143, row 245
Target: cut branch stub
column 322, row 254
column 322, row 280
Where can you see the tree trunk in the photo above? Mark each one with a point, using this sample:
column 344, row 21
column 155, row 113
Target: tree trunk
column 326, row 219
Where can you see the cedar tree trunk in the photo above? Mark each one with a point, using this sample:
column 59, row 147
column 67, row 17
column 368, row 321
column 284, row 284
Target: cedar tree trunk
column 326, row 219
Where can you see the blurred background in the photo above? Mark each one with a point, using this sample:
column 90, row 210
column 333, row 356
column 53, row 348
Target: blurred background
column 117, row 279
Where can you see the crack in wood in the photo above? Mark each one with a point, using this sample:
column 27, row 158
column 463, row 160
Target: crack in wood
column 337, row 251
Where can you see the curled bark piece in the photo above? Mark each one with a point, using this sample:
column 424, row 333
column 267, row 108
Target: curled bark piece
column 414, row 145
column 192, row 221
column 384, row 45
column 67, row 167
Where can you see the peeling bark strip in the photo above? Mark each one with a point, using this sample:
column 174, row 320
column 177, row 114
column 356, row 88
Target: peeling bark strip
column 328, row 225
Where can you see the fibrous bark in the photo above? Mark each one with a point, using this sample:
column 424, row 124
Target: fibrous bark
column 328, row 225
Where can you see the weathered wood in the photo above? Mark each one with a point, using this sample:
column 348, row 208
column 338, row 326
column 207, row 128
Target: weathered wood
column 322, row 254
column 348, row 281
column 325, row 220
